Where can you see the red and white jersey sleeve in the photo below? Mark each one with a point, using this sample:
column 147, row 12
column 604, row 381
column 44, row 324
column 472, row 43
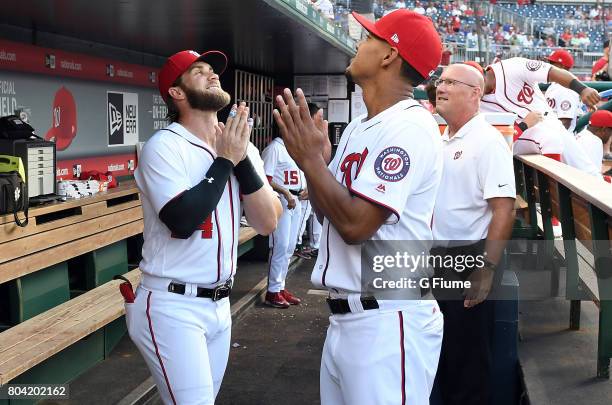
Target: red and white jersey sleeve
column 161, row 174
column 394, row 167
column 516, row 87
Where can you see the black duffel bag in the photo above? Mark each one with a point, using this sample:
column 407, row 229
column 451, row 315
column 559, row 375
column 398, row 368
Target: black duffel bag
column 13, row 196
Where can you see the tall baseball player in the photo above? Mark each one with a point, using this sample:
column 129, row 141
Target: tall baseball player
column 191, row 176
column 286, row 178
column 563, row 101
column 511, row 85
column 381, row 185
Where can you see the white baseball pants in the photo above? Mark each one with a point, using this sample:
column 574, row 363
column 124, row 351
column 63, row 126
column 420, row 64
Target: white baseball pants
column 382, row 357
column 282, row 245
column 185, row 342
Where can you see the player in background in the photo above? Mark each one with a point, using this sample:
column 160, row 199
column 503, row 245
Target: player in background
column 287, row 180
column 563, row 101
column 595, row 135
column 511, row 85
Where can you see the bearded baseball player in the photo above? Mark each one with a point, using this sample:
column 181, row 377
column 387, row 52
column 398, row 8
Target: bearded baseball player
column 380, row 185
column 511, row 85
column 195, row 177
column 563, row 101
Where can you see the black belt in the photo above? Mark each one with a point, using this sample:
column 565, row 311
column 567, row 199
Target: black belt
column 216, row 294
column 341, row 305
column 295, row 192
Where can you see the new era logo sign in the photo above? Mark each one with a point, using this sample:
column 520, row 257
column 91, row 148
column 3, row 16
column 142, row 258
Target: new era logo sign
column 395, row 38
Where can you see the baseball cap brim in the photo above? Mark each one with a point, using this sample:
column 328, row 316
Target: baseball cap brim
column 367, row 24
column 61, row 143
column 216, row 59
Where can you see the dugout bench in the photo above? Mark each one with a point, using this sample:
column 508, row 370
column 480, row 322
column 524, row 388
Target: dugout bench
column 60, row 310
column 583, row 205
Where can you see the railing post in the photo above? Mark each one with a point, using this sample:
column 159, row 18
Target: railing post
column 549, row 236
column 572, row 277
column 602, row 257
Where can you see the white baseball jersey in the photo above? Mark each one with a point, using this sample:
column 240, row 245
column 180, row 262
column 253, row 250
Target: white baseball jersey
column 171, row 162
column 564, row 102
column 516, row 87
column 592, row 146
column 282, row 170
column 477, row 166
column 280, row 167
column 183, row 338
column 394, row 160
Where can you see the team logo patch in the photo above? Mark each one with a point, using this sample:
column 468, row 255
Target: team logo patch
column 392, row 164
column 534, row 65
column 566, row 105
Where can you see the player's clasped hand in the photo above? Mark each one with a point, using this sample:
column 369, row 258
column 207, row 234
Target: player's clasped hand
column 306, row 138
column 232, row 138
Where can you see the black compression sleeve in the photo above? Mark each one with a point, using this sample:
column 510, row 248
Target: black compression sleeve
column 248, row 178
column 184, row 214
column 577, row 86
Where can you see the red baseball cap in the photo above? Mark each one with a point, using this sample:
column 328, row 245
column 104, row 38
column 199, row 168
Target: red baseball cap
column 412, row 34
column 563, row 57
column 601, row 118
column 63, row 119
column 178, row 63
column 475, row 65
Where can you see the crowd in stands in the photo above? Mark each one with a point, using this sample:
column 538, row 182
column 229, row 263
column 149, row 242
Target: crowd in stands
column 574, row 26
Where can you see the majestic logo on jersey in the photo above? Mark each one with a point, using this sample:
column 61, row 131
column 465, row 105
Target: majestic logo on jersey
column 346, row 166
column 458, row 155
column 392, row 164
column 534, row 65
column 381, row 188
column 551, row 102
column 565, row 105
column 526, row 94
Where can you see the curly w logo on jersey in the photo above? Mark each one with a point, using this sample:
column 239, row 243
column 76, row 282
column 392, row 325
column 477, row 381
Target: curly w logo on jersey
column 526, row 94
column 347, row 166
column 392, row 164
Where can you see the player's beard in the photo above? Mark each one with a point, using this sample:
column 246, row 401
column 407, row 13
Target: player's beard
column 207, row 100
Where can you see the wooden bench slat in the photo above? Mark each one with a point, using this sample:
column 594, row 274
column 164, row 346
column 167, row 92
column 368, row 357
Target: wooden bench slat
column 39, row 324
column 55, row 237
column 246, row 233
column 11, row 231
column 29, row 264
column 68, row 329
column 126, row 188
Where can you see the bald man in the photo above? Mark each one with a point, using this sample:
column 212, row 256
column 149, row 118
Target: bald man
column 473, row 216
